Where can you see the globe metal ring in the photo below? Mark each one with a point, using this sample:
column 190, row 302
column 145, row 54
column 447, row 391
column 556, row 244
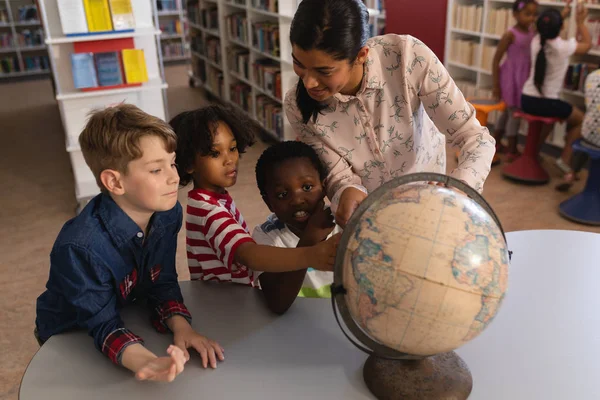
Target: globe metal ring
column 374, row 347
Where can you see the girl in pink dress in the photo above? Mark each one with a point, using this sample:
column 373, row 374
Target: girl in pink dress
column 510, row 77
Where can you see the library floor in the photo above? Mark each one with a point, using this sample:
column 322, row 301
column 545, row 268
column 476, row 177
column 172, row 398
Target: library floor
column 39, row 198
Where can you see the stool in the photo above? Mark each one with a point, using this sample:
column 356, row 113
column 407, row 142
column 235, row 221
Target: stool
column 584, row 207
column 527, row 167
column 482, row 108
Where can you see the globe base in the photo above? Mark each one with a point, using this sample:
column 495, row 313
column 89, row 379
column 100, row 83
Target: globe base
column 443, row 376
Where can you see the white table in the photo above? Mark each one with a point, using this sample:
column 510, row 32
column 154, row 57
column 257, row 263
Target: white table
column 544, row 343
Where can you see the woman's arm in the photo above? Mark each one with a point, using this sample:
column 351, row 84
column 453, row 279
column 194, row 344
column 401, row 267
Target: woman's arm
column 506, row 41
column 452, row 115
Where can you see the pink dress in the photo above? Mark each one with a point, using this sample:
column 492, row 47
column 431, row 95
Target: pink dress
column 515, row 69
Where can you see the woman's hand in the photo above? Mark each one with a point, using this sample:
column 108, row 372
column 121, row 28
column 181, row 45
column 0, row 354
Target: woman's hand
column 582, row 13
column 349, row 202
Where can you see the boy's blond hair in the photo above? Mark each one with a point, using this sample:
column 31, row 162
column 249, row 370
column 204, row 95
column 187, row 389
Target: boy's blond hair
column 110, row 139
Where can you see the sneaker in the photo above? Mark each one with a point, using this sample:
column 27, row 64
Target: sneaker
column 563, row 166
column 567, row 182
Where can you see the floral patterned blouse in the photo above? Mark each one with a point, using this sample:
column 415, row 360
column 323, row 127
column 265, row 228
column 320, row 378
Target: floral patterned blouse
column 391, row 127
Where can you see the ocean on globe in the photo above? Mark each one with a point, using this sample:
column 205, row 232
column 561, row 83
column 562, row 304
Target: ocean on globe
column 425, row 268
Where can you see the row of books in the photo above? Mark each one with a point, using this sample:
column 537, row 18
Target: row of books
column 171, row 27
column 173, row 49
column 241, row 94
column 213, row 49
column 267, row 75
column 577, row 74
column 166, row 5
column 499, row 20
column 593, row 26
column 24, row 38
column 464, row 51
column 206, row 17
column 487, row 56
column 10, row 64
column 36, row 63
column 92, row 70
column 268, row 5
column 239, row 61
column 265, row 37
column 270, row 115
column 92, row 16
column 237, row 26
column 216, row 82
column 467, row 17
column 24, row 14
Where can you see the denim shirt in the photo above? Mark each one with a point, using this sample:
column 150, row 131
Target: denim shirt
column 100, row 262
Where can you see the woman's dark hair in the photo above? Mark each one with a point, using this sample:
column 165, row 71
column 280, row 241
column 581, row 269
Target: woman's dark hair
column 549, row 24
column 283, row 151
column 195, row 132
column 521, row 4
column 339, row 28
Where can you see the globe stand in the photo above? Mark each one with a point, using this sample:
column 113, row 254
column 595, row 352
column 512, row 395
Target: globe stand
column 443, row 376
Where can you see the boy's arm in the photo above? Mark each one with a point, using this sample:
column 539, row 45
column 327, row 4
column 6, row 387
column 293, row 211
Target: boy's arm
column 76, row 276
column 164, row 296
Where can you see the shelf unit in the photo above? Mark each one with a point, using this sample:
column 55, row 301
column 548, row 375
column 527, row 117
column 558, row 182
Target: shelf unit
column 172, row 12
column 377, row 16
column 15, row 26
column 221, row 78
column 476, row 79
column 75, row 105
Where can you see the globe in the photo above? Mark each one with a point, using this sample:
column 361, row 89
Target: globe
column 422, row 267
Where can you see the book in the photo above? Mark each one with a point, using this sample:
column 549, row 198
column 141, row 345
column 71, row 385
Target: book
column 84, row 72
column 108, row 68
column 72, row 17
column 122, row 15
column 134, row 65
column 97, row 15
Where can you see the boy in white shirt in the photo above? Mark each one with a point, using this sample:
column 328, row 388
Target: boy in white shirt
column 290, row 178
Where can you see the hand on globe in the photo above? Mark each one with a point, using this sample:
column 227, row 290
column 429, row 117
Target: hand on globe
column 349, row 202
column 322, row 255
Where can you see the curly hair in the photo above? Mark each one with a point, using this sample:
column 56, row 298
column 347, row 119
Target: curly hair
column 281, row 152
column 195, row 132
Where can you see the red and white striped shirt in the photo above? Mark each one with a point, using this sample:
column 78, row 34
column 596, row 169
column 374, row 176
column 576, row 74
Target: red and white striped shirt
column 214, row 230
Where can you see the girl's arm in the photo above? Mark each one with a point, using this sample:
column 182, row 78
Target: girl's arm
column 585, row 40
column 506, row 41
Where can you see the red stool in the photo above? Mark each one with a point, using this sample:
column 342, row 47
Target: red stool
column 527, row 168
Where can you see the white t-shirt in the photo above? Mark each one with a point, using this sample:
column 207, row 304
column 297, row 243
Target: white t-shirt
column 557, row 53
column 273, row 232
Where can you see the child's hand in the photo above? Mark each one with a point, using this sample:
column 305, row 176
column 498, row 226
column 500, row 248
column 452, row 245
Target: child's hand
column 322, row 255
column 566, row 10
column 582, row 13
column 319, row 225
column 163, row 369
column 208, row 349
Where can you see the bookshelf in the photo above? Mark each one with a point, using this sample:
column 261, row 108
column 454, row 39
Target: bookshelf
column 473, row 30
column 76, row 104
column 22, row 50
column 241, row 53
column 172, row 22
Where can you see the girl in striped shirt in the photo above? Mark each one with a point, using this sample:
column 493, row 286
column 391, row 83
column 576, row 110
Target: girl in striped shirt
column 219, row 246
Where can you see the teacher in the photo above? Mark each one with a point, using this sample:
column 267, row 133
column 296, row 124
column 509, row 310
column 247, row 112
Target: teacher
column 373, row 109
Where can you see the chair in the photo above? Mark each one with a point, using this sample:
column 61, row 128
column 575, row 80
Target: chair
column 527, row 167
column 584, row 208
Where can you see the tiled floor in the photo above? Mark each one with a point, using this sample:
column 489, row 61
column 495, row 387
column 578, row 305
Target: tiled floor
column 38, row 198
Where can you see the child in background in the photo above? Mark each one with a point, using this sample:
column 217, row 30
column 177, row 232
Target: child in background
column 122, row 247
column 219, row 246
column 550, row 61
column 510, row 77
column 290, row 178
